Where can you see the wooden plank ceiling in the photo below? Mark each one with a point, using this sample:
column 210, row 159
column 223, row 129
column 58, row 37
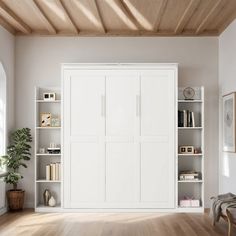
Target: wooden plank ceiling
column 117, row 17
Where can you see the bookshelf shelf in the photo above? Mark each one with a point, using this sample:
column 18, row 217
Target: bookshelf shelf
column 190, row 155
column 43, row 140
column 48, row 154
column 43, row 101
column 190, row 101
column 42, row 208
column 39, row 127
column 48, row 181
column 191, row 113
column 190, row 209
column 47, row 207
column 189, row 128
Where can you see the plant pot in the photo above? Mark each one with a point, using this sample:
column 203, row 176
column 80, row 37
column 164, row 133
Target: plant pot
column 15, row 199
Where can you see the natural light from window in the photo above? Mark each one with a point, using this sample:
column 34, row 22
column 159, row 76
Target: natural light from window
column 2, row 114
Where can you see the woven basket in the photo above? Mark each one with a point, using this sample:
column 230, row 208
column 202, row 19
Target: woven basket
column 15, row 199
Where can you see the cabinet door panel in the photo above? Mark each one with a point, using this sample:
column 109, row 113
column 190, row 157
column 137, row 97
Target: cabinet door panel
column 121, row 93
column 84, row 145
column 158, row 132
column 87, row 101
column 86, row 166
column 157, row 103
column 121, row 172
column 156, row 178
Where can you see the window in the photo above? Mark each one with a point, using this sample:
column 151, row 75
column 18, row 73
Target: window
column 2, row 114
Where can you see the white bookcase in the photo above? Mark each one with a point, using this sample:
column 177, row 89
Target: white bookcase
column 43, row 137
column 191, row 136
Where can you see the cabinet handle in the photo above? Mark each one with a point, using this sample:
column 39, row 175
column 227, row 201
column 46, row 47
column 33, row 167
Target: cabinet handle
column 103, row 106
column 138, row 105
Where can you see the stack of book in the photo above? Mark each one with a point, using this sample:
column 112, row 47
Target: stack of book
column 189, row 175
column 189, row 202
column 186, row 118
column 53, row 171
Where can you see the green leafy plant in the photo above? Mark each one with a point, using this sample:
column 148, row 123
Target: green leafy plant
column 17, row 153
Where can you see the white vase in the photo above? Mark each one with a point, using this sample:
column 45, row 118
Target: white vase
column 52, row 202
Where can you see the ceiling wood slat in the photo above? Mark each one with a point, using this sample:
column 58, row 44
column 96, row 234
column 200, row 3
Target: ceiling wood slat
column 6, row 11
column 193, row 4
column 100, row 16
column 160, row 14
column 7, row 26
column 69, row 17
column 130, row 15
column 36, row 7
column 211, row 15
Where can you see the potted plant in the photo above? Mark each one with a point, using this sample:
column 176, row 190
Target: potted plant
column 17, row 153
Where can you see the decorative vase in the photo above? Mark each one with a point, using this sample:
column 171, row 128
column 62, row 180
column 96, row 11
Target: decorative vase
column 46, row 197
column 52, row 202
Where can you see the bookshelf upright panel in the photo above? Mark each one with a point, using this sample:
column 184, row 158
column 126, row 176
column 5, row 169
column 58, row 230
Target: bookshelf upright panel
column 190, row 158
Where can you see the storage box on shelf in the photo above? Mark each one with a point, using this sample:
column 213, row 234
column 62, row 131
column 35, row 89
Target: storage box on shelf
column 47, row 146
column 190, row 158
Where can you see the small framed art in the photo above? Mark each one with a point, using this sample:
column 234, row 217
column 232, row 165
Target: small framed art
column 229, row 122
column 45, row 120
column 55, row 122
column 49, row 96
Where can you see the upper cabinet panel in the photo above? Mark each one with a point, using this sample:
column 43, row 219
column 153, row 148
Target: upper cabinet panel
column 87, row 105
column 157, row 102
column 122, row 91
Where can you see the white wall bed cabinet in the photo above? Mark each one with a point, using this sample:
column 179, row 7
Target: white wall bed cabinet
column 119, row 136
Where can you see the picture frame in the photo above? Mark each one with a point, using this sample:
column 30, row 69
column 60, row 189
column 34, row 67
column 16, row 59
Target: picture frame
column 229, row 124
column 55, row 122
column 45, row 119
column 49, row 96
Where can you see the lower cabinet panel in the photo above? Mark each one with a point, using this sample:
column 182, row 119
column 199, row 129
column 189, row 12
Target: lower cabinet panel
column 86, row 181
column 121, row 173
column 157, row 176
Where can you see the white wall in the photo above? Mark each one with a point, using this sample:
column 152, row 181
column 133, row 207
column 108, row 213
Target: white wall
column 38, row 64
column 227, row 84
column 7, row 58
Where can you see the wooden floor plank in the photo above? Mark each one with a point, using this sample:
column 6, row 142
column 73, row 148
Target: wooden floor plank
column 29, row 223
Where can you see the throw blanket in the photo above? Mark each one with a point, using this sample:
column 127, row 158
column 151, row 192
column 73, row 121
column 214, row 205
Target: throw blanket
column 228, row 199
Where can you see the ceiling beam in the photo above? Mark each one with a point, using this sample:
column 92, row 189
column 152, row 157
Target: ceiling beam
column 7, row 26
column 160, row 14
column 69, row 17
column 9, row 14
column 126, row 33
column 192, row 6
column 100, row 16
column 211, row 15
column 40, row 13
column 130, row 15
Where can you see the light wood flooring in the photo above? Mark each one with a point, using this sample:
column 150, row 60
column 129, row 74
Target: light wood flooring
column 109, row 224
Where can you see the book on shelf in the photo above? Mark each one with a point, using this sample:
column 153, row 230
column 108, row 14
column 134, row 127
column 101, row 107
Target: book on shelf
column 53, row 171
column 189, row 175
column 186, row 118
column 48, row 171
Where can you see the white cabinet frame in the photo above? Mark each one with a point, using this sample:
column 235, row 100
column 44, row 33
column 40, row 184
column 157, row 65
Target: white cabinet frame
column 132, row 67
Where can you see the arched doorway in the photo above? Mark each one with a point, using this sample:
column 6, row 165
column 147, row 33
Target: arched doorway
column 3, row 100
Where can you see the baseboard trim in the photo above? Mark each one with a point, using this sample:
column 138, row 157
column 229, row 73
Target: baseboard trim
column 3, row 211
